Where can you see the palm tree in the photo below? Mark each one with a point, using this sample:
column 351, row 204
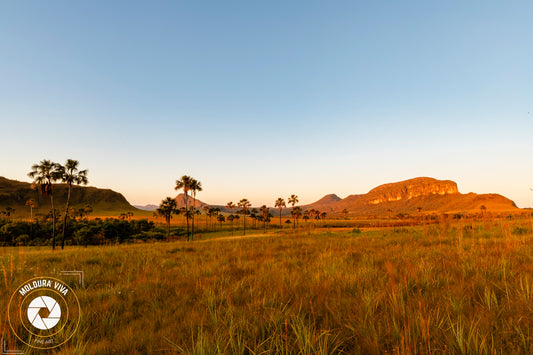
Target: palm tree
column 265, row 211
column 44, row 175
column 244, row 204
column 221, row 219
column 31, row 204
column 215, row 212
column 280, row 203
column 293, row 200
column 166, row 209
column 71, row 175
column 230, row 219
column 185, row 183
column 253, row 216
column 196, row 186
column 307, row 213
column 296, row 213
column 230, row 206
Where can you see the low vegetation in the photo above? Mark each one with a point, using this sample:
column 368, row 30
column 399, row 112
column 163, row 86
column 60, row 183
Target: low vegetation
column 445, row 288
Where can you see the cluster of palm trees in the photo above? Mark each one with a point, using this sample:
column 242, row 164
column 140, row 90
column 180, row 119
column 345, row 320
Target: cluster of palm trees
column 169, row 207
column 189, row 185
column 46, row 174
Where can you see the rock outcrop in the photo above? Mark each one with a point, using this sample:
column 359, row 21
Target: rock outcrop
column 408, row 189
column 431, row 195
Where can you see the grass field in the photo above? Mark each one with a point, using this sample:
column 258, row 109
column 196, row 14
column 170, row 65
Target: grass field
column 450, row 288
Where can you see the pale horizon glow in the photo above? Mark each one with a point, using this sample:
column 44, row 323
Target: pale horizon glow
column 264, row 100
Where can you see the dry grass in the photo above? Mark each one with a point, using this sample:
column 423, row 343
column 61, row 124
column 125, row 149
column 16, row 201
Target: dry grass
column 439, row 289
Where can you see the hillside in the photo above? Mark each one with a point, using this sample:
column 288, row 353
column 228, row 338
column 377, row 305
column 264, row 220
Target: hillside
column 407, row 196
column 15, row 193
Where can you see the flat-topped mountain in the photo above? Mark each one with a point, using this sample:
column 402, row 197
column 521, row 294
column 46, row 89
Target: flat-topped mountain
column 431, row 195
column 408, row 189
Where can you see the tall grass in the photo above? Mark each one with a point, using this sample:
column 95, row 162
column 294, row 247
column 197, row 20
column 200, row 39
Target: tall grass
column 460, row 288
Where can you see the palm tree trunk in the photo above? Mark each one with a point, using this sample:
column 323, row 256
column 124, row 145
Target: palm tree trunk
column 187, row 213
column 194, row 209
column 280, row 219
column 65, row 219
column 53, row 222
column 244, row 223
column 168, row 222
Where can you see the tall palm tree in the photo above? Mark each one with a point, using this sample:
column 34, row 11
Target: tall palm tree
column 44, row 175
column 293, row 200
column 31, row 204
column 185, row 184
column 244, row 204
column 71, row 175
column 196, row 186
column 166, row 209
column 280, row 204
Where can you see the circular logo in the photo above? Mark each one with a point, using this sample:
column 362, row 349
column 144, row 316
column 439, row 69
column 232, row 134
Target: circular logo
column 54, row 312
column 44, row 312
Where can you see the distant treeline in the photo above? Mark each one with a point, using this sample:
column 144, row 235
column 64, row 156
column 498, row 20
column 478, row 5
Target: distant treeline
column 82, row 232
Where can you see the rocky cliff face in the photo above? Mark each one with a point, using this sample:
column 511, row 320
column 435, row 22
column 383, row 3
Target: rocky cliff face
column 408, row 189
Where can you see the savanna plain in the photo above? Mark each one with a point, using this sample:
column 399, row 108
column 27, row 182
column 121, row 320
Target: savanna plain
column 450, row 287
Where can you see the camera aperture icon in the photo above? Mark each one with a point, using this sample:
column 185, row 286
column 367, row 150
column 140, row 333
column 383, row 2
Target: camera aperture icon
column 44, row 303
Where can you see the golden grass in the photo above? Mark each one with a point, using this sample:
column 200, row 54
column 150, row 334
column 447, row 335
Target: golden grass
column 438, row 289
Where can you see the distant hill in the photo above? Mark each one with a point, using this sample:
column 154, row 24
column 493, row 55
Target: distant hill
column 15, row 193
column 180, row 201
column 407, row 196
column 325, row 204
column 146, row 207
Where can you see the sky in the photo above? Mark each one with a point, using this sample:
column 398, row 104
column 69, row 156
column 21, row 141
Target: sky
column 264, row 99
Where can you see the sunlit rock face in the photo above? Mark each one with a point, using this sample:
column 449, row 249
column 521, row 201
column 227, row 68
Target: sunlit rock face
column 409, row 189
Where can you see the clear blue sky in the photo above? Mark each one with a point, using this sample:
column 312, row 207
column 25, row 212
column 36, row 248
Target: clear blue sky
column 261, row 99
